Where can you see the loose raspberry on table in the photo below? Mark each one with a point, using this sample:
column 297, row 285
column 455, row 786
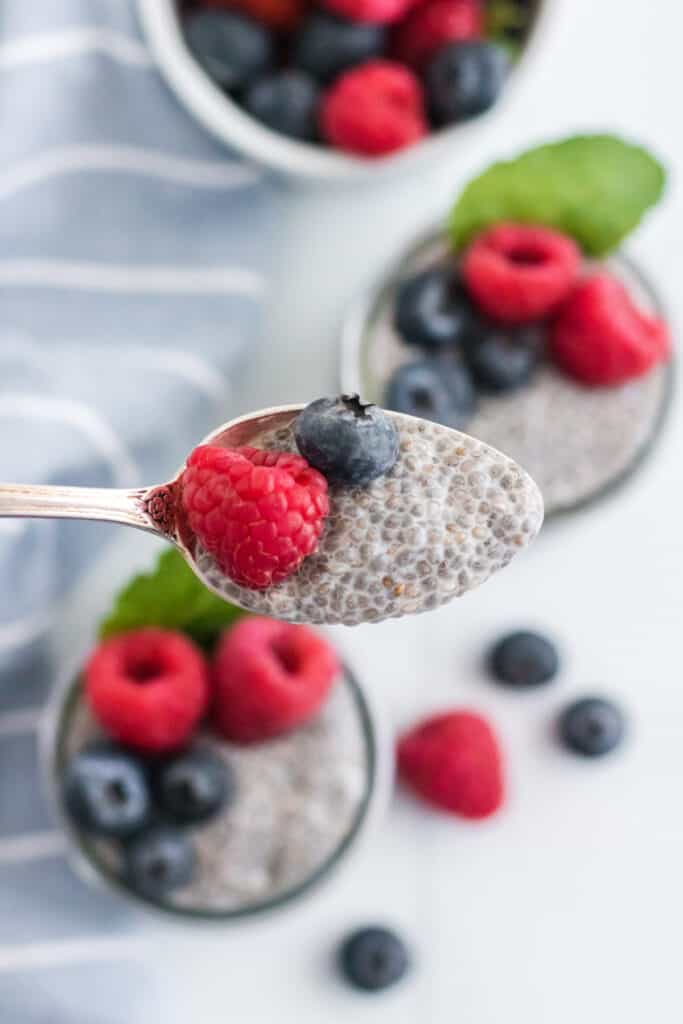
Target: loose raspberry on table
column 374, row 109
column 148, row 689
column 276, row 14
column 431, row 25
column 269, row 677
column 452, row 761
column 601, row 338
column 517, row 273
column 258, row 513
column 379, row 11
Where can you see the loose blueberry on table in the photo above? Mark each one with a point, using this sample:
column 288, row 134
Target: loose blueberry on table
column 519, row 326
column 592, row 727
column 524, row 659
column 368, row 77
column 373, row 958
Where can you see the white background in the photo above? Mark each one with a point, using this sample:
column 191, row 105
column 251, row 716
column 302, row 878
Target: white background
column 567, row 906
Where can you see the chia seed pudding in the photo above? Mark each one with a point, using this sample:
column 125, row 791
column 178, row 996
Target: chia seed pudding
column 576, row 442
column 300, row 801
column 450, row 513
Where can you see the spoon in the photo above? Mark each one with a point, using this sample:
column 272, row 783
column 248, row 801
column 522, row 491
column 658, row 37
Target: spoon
column 451, row 512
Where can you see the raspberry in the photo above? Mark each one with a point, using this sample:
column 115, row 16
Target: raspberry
column 600, row 337
column 517, row 273
column 452, row 761
column 376, row 108
column 276, row 14
column 378, row 11
column 269, row 677
column 258, row 513
column 432, row 25
column 148, row 689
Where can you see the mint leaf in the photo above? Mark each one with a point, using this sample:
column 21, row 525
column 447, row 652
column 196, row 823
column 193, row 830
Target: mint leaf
column 506, row 23
column 505, row 16
column 595, row 188
column 172, row 597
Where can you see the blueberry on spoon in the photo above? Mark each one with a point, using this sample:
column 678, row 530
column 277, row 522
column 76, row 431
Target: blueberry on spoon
column 348, row 441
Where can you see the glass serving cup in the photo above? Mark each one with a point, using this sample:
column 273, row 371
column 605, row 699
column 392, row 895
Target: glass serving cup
column 92, row 866
column 369, row 355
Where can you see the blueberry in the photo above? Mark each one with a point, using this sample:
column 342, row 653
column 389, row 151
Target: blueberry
column 432, row 309
column 464, row 79
column 286, row 102
column 524, row 659
column 194, row 786
column 433, row 389
column 106, row 791
column 159, row 860
column 327, row 45
column 592, row 726
column 348, row 441
column 232, row 48
column 373, row 959
column 503, row 359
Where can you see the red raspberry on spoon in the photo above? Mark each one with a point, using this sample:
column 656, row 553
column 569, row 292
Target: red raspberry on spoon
column 259, row 513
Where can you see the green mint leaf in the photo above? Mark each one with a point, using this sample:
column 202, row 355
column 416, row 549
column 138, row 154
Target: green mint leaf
column 172, row 597
column 595, row 188
column 507, row 22
column 504, row 16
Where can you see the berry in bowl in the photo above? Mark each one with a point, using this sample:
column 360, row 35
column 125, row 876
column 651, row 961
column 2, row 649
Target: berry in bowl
column 523, row 324
column 326, row 87
column 217, row 767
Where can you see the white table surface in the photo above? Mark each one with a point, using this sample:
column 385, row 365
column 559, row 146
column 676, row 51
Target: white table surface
column 566, row 907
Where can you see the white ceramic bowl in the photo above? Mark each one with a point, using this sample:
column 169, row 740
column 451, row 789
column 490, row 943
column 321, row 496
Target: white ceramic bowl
column 228, row 122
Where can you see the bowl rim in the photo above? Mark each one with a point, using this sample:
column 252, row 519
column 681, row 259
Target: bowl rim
column 85, row 864
column 362, row 309
column 226, row 121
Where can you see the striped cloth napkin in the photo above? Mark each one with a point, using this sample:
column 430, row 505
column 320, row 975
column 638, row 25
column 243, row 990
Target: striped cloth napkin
column 132, row 260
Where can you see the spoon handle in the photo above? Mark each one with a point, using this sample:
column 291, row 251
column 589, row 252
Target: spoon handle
column 40, row 502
